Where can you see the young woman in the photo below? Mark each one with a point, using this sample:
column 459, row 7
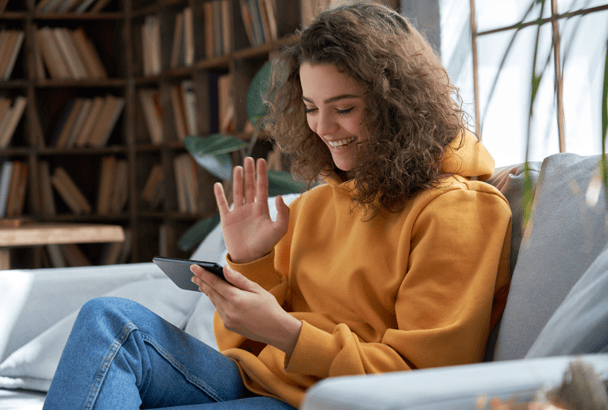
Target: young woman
column 398, row 262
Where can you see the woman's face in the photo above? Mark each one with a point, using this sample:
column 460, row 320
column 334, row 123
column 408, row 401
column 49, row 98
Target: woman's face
column 334, row 110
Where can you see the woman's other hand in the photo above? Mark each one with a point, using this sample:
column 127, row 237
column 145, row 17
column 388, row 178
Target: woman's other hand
column 248, row 309
column 249, row 232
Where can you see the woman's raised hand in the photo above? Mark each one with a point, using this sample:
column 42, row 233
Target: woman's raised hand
column 249, row 232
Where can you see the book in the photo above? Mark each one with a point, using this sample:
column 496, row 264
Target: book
column 68, row 125
column 208, row 26
column 82, row 7
column 54, row 57
column 149, row 100
column 247, row 21
column 120, row 193
column 83, row 115
column 188, row 37
column 217, row 28
column 179, row 115
column 15, row 205
column 226, row 27
column 74, row 256
column 180, row 184
column 88, row 54
column 107, row 180
column 83, row 135
column 69, row 192
column 5, row 104
column 100, row 5
column 47, row 56
column 106, row 122
column 5, row 180
column 189, row 101
column 225, row 103
column 67, row 5
column 16, row 187
column 38, row 63
column 56, row 256
column 75, row 63
column 12, row 117
column 155, row 178
column 177, row 49
column 5, row 41
column 271, row 13
column 46, row 188
column 7, row 70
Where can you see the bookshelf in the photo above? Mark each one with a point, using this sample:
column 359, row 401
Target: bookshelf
column 107, row 121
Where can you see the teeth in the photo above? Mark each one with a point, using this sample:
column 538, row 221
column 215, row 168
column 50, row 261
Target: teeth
column 341, row 143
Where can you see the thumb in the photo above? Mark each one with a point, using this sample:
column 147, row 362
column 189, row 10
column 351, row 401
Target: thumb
column 282, row 213
column 238, row 280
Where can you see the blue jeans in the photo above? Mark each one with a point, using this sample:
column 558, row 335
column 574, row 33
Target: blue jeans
column 121, row 355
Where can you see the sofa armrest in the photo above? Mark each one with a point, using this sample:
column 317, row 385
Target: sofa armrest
column 35, row 299
column 454, row 387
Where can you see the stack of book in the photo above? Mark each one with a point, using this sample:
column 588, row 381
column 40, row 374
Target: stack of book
column 10, row 44
column 259, row 18
column 87, row 122
column 10, row 114
column 182, row 51
column 188, row 184
column 13, row 184
column 65, row 6
column 67, row 54
column 218, row 34
column 183, row 101
column 151, row 46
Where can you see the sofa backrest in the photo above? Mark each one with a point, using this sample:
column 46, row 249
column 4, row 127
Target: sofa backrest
column 566, row 232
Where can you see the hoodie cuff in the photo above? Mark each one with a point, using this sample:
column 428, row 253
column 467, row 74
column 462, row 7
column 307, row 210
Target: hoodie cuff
column 261, row 271
column 314, row 353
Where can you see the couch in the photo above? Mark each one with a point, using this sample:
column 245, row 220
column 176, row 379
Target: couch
column 556, row 310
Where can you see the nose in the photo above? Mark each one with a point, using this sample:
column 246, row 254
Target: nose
column 326, row 124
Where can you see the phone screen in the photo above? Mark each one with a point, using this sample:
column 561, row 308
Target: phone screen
column 178, row 270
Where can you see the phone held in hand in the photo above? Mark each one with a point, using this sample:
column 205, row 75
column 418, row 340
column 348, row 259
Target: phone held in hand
column 178, row 270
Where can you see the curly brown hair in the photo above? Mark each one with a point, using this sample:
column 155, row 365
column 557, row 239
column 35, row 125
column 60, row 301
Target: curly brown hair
column 412, row 110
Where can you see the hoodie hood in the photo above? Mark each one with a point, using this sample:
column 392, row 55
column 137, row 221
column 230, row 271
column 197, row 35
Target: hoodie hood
column 467, row 157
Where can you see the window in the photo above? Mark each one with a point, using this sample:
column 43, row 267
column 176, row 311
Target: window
column 490, row 54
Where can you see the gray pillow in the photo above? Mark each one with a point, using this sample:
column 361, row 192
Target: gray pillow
column 564, row 236
column 580, row 323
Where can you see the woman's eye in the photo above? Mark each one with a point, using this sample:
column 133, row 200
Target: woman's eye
column 345, row 111
column 309, row 110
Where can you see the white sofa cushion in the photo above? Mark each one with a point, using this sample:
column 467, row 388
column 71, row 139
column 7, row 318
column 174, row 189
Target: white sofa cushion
column 32, row 366
column 566, row 233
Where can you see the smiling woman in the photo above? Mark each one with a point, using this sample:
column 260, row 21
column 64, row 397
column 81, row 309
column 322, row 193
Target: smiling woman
column 337, row 115
column 399, row 262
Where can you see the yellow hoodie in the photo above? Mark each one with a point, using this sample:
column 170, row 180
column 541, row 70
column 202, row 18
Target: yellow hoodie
column 415, row 289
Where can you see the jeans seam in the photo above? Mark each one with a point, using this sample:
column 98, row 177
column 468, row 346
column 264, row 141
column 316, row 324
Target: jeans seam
column 105, row 364
column 208, row 390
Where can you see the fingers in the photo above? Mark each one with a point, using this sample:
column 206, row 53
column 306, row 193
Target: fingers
column 249, row 180
column 220, row 199
column 262, row 182
column 282, row 214
column 237, row 186
column 245, row 185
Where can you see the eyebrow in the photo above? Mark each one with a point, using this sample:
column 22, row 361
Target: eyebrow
column 334, row 99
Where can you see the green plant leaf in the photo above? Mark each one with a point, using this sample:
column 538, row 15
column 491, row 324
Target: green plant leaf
column 256, row 109
column 197, row 233
column 214, row 144
column 218, row 165
column 281, row 182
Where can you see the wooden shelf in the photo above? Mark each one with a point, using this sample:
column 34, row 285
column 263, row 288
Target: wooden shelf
column 117, row 36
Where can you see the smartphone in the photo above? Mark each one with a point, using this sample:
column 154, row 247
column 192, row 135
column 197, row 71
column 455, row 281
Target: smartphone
column 178, row 270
